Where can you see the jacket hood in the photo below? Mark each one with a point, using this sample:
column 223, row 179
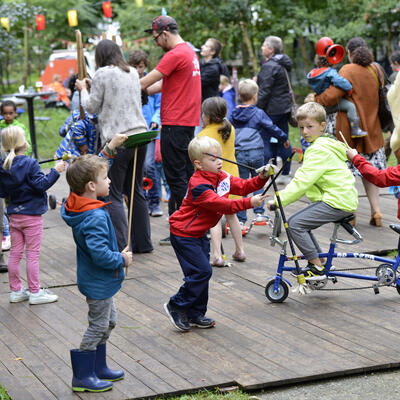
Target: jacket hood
column 283, row 60
column 73, row 209
column 336, row 146
column 241, row 115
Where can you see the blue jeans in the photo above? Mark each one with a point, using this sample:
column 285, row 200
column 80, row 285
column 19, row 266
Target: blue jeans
column 274, row 150
column 253, row 158
column 152, row 195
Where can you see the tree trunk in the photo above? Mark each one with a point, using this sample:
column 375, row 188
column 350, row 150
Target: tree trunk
column 249, row 46
column 26, row 56
column 304, row 52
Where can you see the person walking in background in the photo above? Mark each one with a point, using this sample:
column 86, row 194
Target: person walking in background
column 227, row 92
column 151, row 112
column 362, row 73
column 115, row 99
column 254, row 130
column 274, row 95
column 177, row 76
column 24, row 184
column 217, row 126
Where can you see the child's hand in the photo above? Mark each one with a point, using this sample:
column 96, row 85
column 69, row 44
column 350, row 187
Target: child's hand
column 258, row 199
column 80, row 84
column 266, row 170
column 60, row 166
column 117, row 140
column 286, row 145
column 271, row 205
column 127, row 255
column 350, row 153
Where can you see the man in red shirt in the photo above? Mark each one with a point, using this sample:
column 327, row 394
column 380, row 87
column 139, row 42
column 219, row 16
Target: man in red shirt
column 177, row 76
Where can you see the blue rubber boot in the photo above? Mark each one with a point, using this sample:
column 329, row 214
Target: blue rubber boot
column 84, row 378
column 101, row 369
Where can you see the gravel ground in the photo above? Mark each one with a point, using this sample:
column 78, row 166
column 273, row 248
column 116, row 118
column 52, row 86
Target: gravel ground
column 372, row 386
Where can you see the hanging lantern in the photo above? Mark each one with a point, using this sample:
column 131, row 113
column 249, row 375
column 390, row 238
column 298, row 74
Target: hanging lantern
column 5, row 23
column 72, row 18
column 40, row 22
column 107, row 9
column 139, row 3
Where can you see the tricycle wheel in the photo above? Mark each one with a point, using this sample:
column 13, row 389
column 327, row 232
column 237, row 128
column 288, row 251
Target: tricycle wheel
column 276, row 297
column 52, row 201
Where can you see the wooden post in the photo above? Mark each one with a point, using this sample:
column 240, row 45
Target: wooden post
column 82, row 74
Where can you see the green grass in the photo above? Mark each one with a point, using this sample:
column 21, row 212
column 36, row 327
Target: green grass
column 212, row 395
column 3, row 394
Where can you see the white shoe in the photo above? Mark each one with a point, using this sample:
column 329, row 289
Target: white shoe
column 42, row 296
column 261, row 218
column 20, row 295
column 283, row 179
column 6, row 243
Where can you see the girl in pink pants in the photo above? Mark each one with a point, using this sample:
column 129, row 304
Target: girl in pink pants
column 24, row 184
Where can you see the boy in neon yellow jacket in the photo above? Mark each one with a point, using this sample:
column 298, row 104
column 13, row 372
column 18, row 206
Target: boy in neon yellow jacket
column 325, row 179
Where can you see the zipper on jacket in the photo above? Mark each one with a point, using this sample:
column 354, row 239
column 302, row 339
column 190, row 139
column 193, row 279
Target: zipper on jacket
column 191, row 221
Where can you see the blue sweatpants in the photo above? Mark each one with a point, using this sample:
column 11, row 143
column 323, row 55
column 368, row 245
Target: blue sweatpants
column 194, row 257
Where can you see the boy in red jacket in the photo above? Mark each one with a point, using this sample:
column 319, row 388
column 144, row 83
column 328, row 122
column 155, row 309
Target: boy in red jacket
column 203, row 206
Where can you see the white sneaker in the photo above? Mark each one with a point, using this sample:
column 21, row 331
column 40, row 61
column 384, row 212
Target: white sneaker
column 20, row 295
column 6, row 243
column 283, row 179
column 260, row 218
column 42, row 296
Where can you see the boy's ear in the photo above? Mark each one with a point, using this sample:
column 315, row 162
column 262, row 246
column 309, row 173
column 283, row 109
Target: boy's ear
column 197, row 164
column 90, row 186
column 323, row 126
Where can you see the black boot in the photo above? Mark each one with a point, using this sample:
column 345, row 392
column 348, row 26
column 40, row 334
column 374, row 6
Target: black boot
column 356, row 131
column 84, row 377
column 3, row 264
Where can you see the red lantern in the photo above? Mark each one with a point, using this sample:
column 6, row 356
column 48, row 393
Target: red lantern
column 107, row 9
column 40, row 22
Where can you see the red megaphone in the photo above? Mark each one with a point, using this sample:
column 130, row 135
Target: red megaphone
column 334, row 53
column 147, row 184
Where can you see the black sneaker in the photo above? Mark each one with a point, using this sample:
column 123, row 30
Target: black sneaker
column 313, row 273
column 202, row 322
column 165, row 242
column 178, row 319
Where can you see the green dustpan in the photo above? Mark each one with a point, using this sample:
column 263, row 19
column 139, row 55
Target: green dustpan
column 139, row 138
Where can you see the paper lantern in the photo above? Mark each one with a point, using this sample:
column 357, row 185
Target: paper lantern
column 5, row 23
column 139, row 3
column 40, row 22
column 107, row 9
column 72, row 18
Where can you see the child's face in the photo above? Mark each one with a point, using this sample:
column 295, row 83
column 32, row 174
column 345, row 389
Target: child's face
column 9, row 114
column 209, row 163
column 102, row 185
column 140, row 68
column 310, row 129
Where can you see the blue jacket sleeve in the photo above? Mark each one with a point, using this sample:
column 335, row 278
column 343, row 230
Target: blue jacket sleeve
column 268, row 128
column 97, row 239
column 339, row 81
column 79, row 134
column 157, row 105
column 39, row 181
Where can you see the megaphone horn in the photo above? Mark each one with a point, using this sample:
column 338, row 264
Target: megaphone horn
column 322, row 45
column 335, row 54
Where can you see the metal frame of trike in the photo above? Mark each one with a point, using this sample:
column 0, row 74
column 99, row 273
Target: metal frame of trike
column 382, row 279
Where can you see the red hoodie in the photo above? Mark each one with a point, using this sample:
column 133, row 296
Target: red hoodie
column 207, row 200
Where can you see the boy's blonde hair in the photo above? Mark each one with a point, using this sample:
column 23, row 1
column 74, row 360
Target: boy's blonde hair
column 200, row 145
column 311, row 110
column 13, row 140
column 247, row 89
column 83, row 170
column 224, row 80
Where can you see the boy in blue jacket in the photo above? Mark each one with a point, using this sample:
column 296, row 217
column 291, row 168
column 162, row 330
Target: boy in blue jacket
column 253, row 131
column 321, row 78
column 100, row 266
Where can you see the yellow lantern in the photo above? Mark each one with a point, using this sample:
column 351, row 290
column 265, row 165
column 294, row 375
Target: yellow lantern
column 139, row 3
column 72, row 18
column 5, row 23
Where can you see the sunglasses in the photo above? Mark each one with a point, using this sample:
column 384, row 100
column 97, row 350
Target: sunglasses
column 156, row 37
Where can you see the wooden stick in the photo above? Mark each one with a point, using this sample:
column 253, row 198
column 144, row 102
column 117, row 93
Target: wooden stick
column 82, row 74
column 114, row 38
column 131, row 206
column 103, row 36
column 344, row 140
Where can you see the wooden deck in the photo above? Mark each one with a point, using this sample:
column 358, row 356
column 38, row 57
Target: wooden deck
column 255, row 344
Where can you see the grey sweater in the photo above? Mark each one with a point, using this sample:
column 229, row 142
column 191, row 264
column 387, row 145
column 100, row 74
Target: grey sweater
column 115, row 98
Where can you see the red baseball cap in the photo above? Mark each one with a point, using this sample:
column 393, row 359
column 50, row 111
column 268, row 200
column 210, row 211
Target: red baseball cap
column 162, row 23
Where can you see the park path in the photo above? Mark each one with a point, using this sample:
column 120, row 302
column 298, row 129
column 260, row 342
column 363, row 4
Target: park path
column 255, row 344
